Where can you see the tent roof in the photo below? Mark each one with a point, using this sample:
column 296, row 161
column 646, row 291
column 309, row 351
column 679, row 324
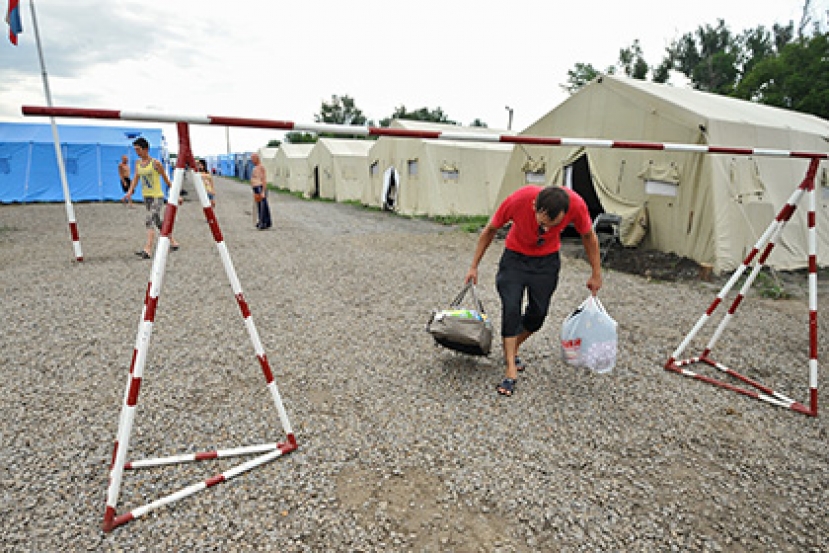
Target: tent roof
column 412, row 125
column 723, row 108
column 346, row 147
column 296, row 150
column 78, row 134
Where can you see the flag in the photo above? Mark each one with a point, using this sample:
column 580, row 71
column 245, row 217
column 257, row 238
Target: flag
column 13, row 19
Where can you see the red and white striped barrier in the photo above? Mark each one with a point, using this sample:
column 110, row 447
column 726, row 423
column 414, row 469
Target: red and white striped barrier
column 766, row 244
column 267, row 452
column 356, row 130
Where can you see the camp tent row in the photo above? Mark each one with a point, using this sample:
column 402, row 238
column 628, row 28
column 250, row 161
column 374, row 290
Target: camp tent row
column 29, row 170
column 407, row 175
column 711, row 208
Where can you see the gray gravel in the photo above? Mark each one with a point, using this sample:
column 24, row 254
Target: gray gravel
column 402, row 446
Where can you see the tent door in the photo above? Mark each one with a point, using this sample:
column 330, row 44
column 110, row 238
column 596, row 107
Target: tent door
column 391, row 186
column 577, row 178
column 315, row 192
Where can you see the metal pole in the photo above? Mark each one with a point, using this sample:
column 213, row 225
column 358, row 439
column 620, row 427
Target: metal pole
column 70, row 211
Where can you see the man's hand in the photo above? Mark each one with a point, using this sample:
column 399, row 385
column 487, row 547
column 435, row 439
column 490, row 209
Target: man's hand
column 471, row 275
column 594, row 283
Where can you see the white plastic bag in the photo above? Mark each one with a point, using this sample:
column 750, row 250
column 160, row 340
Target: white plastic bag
column 588, row 337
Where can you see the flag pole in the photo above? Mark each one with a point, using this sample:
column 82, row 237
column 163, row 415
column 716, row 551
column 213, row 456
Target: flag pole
column 70, row 211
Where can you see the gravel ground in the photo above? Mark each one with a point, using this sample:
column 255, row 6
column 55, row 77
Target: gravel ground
column 403, row 446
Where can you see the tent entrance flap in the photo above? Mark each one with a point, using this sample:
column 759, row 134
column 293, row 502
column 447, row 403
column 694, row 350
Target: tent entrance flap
column 391, row 186
column 577, row 178
column 315, row 192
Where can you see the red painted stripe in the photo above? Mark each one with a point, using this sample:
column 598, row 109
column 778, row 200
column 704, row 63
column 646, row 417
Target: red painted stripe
column 207, row 455
column 123, row 519
column 73, row 230
column 813, row 334
column 810, row 219
column 638, row 145
column 109, row 517
column 813, row 264
column 127, row 466
column 147, row 293
column 539, row 140
column 149, row 313
column 135, row 387
column 266, row 368
column 813, row 401
column 72, row 112
column 169, row 219
column 669, row 363
column 761, row 387
column 403, row 133
column 750, row 256
column 714, row 306
column 737, row 301
column 786, row 212
column 218, row 479
column 132, row 361
column 210, row 215
column 766, row 253
column 727, row 150
column 114, row 453
column 809, row 155
column 243, row 305
column 256, row 123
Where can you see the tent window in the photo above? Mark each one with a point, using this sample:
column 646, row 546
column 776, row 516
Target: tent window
column 661, row 188
column 412, row 167
column 374, row 169
column 5, row 166
column 450, row 174
column 535, row 177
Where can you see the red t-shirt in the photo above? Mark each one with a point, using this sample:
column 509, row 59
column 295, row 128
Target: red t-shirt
column 523, row 236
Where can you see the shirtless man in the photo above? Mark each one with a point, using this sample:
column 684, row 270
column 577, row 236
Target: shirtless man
column 124, row 175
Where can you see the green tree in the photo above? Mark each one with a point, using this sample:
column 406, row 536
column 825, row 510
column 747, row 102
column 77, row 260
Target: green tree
column 708, row 57
column 297, row 137
column 796, row 79
column 423, row 114
column 632, row 62
column 580, row 75
column 341, row 110
column 478, row 123
column 273, row 143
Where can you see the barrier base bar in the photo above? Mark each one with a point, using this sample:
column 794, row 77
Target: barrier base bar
column 765, row 244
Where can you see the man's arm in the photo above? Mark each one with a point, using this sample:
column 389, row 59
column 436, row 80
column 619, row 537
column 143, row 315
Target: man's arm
column 484, row 240
column 159, row 167
column 591, row 248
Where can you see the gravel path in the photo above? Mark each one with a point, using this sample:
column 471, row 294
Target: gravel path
column 402, row 446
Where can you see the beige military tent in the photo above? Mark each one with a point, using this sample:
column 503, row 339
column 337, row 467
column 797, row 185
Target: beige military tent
column 709, row 207
column 268, row 158
column 436, row 177
column 291, row 171
column 339, row 168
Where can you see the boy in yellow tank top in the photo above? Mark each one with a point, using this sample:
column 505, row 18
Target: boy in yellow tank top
column 149, row 172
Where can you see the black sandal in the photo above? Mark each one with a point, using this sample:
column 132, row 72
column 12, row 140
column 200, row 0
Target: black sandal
column 519, row 364
column 506, row 387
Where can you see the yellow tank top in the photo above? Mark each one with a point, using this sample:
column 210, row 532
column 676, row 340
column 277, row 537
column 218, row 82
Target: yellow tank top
column 150, row 180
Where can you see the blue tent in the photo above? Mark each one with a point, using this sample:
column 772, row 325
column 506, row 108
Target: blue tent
column 29, row 169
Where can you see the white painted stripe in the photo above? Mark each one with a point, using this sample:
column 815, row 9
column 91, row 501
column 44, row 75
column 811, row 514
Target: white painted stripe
column 472, row 137
column 772, row 153
column 686, row 148
column 280, row 407
column 333, row 129
column 162, row 117
column 587, row 142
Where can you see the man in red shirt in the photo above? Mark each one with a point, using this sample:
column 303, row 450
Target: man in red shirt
column 531, row 261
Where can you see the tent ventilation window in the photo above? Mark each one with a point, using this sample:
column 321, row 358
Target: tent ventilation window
column 535, row 171
column 374, row 169
column 412, row 167
column 661, row 188
column 449, row 172
column 5, row 166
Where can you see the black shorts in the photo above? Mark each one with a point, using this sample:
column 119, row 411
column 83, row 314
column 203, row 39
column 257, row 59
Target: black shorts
column 517, row 274
column 125, row 183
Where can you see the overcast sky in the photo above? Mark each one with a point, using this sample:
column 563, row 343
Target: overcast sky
column 281, row 60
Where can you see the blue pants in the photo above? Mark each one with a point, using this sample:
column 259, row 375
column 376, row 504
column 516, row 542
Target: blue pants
column 264, row 212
